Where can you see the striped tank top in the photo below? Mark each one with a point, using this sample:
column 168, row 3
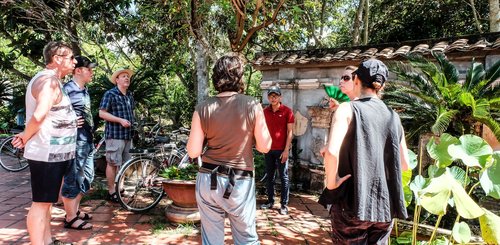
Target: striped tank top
column 55, row 141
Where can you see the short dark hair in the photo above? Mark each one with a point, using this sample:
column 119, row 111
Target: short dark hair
column 51, row 49
column 227, row 74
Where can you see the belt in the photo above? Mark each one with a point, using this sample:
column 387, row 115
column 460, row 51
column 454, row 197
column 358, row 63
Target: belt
column 232, row 173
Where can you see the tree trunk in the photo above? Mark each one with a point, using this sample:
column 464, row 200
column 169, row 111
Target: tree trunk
column 357, row 23
column 494, row 15
column 474, row 14
column 201, row 71
column 367, row 16
column 201, row 51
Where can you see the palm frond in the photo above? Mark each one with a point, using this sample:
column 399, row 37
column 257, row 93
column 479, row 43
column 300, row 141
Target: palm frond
column 495, row 103
column 413, row 76
column 493, row 73
column 492, row 124
column 490, row 87
column 448, row 69
column 475, row 75
column 443, row 120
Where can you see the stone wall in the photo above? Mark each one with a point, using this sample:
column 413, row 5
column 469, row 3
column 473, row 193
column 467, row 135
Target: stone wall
column 302, row 91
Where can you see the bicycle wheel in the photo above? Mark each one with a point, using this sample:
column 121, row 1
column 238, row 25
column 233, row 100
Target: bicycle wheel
column 138, row 186
column 12, row 158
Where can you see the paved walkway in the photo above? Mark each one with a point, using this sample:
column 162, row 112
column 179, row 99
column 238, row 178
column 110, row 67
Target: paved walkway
column 307, row 222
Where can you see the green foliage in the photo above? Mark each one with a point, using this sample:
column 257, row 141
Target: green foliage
column 396, row 21
column 432, row 99
column 187, row 173
column 446, row 186
column 490, row 227
column 461, row 232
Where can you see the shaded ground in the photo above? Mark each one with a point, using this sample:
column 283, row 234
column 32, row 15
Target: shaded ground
column 307, row 222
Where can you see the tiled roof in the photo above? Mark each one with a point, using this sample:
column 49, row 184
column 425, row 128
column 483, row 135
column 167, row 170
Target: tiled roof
column 485, row 43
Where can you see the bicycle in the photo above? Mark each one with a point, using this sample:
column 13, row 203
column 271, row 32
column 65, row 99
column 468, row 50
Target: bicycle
column 138, row 183
column 11, row 158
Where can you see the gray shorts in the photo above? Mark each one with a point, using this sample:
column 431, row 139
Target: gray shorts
column 117, row 151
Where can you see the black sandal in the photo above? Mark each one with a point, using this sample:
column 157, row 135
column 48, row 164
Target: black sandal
column 113, row 197
column 57, row 242
column 69, row 225
column 86, row 216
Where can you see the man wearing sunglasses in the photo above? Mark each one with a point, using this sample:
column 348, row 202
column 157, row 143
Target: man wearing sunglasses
column 49, row 137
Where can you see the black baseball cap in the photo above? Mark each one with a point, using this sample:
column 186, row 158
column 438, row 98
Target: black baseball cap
column 274, row 89
column 372, row 70
column 83, row 61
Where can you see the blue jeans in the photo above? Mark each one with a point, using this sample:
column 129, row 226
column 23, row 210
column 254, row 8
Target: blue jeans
column 273, row 162
column 80, row 171
column 239, row 207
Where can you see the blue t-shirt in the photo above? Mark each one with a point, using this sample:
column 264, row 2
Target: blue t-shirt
column 80, row 99
column 119, row 105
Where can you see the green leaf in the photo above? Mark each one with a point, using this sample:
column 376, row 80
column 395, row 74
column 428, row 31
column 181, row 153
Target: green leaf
column 439, row 151
column 406, row 177
column 490, row 227
column 435, row 171
column 404, row 238
column 434, row 198
column 334, row 92
column 459, row 175
column 461, row 232
column 466, row 207
column 472, row 150
column 442, row 240
column 408, row 194
column 418, row 183
column 490, row 179
column 413, row 159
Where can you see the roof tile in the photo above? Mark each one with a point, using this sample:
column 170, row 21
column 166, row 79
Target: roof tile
column 483, row 42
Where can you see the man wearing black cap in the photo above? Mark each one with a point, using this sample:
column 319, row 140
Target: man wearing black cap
column 81, row 170
column 279, row 120
column 364, row 159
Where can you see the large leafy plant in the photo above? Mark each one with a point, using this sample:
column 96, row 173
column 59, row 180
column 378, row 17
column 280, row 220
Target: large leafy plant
column 430, row 97
column 448, row 186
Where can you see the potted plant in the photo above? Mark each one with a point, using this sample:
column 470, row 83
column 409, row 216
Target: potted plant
column 180, row 186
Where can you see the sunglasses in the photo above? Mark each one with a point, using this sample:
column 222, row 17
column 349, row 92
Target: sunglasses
column 66, row 57
column 345, row 78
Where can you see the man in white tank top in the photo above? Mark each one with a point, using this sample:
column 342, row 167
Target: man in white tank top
column 49, row 137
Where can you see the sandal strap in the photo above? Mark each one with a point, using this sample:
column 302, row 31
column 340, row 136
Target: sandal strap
column 71, row 222
column 80, row 227
column 86, row 216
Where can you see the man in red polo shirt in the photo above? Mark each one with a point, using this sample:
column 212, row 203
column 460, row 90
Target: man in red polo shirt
column 279, row 120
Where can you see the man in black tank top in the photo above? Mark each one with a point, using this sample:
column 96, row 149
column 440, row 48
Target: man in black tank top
column 364, row 158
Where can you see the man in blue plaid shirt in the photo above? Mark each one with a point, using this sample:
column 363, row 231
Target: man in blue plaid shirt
column 117, row 109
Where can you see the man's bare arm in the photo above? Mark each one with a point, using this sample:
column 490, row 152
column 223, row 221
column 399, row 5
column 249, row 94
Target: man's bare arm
column 46, row 91
column 111, row 118
column 261, row 132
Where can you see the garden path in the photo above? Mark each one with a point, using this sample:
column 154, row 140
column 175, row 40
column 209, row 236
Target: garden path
column 307, row 222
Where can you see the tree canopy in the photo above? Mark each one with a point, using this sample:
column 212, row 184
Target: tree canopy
column 172, row 44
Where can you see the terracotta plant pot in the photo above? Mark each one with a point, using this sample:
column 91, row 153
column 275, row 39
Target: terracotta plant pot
column 181, row 192
column 183, row 208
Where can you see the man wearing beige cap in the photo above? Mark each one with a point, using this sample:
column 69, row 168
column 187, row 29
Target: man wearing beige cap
column 116, row 108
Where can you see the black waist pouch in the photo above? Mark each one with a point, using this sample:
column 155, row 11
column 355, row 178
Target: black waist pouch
column 329, row 197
